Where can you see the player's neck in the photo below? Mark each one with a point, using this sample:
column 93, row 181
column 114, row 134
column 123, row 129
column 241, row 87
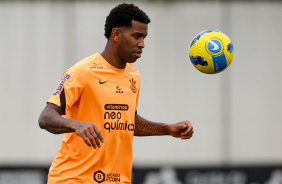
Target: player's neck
column 112, row 58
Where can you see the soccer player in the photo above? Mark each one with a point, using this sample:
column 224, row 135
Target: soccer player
column 99, row 96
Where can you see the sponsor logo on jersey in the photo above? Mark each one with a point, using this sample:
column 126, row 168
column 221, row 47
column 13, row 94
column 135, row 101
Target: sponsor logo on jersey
column 113, row 118
column 110, row 126
column 102, row 82
column 61, row 85
column 96, row 66
column 119, row 89
column 123, row 107
column 133, row 85
column 100, row 177
column 113, row 177
column 114, row 122
column 131, row 68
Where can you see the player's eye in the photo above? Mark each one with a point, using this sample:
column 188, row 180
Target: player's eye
column 140, row 36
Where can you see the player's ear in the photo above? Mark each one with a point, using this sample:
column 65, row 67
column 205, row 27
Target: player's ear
column 116, row 34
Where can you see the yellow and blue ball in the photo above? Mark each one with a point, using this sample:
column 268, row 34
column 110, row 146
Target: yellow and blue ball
column 211, row 51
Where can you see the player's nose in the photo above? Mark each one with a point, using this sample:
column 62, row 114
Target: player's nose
column 141, row 43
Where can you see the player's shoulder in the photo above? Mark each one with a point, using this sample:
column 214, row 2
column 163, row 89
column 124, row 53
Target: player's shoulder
column 86, row 64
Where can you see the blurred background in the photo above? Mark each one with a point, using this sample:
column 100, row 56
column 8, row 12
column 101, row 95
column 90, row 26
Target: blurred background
column 236, row 114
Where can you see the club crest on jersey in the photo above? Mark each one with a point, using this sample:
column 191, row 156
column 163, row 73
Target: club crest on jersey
column 133, row 85
column 61, row 85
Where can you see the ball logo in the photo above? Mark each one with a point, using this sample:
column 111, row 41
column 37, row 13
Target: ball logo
column 99, row 176
column 214, row 46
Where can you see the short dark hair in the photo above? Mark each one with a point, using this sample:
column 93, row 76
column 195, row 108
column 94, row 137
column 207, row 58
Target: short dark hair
column 122, row 15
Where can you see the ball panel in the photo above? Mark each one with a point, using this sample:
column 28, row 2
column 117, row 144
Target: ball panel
column 219, row 62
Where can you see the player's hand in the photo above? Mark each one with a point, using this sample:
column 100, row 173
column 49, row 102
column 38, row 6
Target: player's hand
column 90, row 133
column 184, row 130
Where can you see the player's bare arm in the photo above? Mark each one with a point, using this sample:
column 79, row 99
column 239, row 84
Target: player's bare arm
column 144, row 127
column 51, row 120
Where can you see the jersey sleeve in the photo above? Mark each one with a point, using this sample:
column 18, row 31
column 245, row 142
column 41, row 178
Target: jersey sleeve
column 69, row 89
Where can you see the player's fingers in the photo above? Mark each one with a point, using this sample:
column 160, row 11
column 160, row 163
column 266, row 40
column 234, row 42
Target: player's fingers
column 91, row 139
column 191, row 131
column 96, row 138
column 188, row 129
column 187, row 133
column 99, row 134
column 86, row 140
column 187, row 136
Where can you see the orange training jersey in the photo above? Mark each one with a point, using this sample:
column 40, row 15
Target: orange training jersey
column 93, row 91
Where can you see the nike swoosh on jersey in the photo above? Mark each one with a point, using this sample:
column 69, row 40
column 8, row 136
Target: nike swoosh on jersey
column 102, row 82
column 215, row 46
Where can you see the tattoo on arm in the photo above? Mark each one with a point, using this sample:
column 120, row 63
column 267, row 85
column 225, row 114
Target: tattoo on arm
column 52, row 121
column 144, row 127
column 57, row 126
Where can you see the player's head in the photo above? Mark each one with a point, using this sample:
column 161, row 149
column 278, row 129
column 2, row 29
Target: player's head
column 122, row 16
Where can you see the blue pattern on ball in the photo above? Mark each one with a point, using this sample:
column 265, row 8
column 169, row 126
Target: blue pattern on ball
column 197, row 38
column 198, row 60
column 230, row 47
column 202, row 33
column 219, row 62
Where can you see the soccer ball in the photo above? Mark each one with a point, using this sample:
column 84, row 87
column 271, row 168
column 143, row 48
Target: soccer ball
column 211, row 51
